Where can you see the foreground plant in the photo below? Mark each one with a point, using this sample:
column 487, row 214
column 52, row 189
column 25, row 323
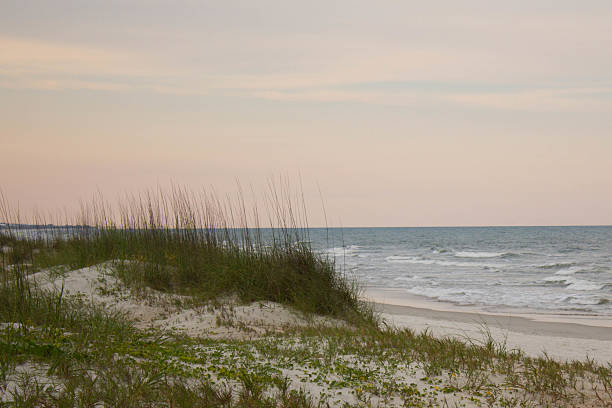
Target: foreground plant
column 197, row 245
column 66, row 350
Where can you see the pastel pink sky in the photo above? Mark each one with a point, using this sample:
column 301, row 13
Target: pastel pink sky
column 402, row 113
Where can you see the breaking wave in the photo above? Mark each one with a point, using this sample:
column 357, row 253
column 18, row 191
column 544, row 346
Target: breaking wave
column 469, row 254
column 574, row 284
column 423, row 261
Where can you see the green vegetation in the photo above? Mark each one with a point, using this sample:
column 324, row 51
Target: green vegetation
column 60, row 350
column 199, row 246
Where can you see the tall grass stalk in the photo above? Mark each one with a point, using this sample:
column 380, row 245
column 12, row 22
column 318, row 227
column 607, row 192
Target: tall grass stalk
column 196, row 243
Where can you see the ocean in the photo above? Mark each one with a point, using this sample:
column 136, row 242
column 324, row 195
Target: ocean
column 550, row 270
column 535, row 270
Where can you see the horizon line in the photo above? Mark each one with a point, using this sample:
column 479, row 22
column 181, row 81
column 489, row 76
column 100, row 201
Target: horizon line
column 353, row 227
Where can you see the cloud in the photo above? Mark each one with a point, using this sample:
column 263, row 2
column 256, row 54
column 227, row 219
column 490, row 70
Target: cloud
column 334, row 69
column 542, row 100
column 532, row 100
column 27, row 56
column 35, row 64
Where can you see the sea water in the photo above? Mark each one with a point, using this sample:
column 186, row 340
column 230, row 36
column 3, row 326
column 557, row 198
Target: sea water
column 557, row 270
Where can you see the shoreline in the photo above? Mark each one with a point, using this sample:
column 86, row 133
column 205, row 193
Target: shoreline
column 563, row 340
column 517, row 324
column 393, row 297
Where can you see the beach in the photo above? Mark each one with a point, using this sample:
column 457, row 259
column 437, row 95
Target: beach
column 229, row 340
column 277, row 204
column 288, row 327
column 543, row 290
column 560, row 340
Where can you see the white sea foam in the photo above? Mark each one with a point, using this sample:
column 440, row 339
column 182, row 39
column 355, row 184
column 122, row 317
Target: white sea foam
column 423, row 261
column 569, row 271
column 447, row 294
column 409, row 259
column 573, row 283
column 494, row 267
column 346, row 250
column 469, row 254
column 555, row 265
column 555, row 279
column 584, row 285
column 407, row 278
column 581, row 299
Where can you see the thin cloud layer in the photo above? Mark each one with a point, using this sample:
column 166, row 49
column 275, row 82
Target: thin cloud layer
column 396, row 109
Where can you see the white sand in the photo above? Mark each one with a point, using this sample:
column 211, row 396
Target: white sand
column 564, row 340
column 226, row 318
column 23, row 373
column 230, row 319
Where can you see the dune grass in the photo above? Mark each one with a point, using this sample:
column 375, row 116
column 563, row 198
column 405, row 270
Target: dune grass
column 198, row 246
column 192, row 244
column 176, row 242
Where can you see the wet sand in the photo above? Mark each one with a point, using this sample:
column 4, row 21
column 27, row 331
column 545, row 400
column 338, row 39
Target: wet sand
column 536, row 335
column 518, row 324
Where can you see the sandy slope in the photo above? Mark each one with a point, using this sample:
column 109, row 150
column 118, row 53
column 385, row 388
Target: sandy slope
column 225, row 318
column 259, row 320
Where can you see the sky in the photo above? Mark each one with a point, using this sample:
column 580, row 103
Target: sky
column 391, row 113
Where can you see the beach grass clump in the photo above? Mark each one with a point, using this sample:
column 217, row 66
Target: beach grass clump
column 197, row 245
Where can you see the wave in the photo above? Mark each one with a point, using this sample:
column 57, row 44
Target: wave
column 569, row 271
column 585, row 300
column 553, row 265
column 407, row 279
column 573, row 283
column 422, row 261
column 564, row 268
column 446, row 294
column 345, row 250
column 470, row 254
